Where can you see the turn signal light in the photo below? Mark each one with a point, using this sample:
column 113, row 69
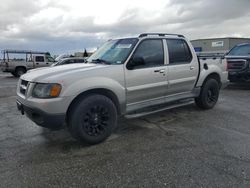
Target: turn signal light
column 55, row 90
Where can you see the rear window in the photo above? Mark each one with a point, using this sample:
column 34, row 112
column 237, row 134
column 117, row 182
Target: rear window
column 243, row 50
column 39, row 59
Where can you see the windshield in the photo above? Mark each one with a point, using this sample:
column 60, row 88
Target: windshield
column 114, row 51
column 243, row 50
column 50, row 59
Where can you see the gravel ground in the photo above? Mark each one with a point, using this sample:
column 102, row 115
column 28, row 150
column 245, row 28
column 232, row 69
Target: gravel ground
column 183, row 147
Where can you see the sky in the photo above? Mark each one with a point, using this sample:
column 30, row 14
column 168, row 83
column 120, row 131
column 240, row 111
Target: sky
column 67, row 26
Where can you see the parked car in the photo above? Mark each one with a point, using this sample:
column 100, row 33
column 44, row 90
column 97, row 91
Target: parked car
column 238, row 60
column 69, row 60
column 62, row 56
column 128, row 77
column 24, row 60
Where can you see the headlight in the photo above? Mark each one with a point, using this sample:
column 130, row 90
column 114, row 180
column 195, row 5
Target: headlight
column 46, row 90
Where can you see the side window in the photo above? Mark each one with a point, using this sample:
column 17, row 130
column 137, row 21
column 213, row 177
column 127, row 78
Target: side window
column 179, row 52
column 150, row 52
column 39, row 59
column 50, row 59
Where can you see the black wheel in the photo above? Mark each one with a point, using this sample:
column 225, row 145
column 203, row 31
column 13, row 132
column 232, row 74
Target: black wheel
column 209, row 94
column 20, row 71
column 92, row 119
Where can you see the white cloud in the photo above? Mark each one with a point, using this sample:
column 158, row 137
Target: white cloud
column 68, row 25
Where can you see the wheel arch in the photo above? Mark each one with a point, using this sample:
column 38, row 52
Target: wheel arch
column 20, row 66
column 205, row 75
column 101, row 91
column 215, row 76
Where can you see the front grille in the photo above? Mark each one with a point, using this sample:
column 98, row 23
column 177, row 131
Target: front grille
column 23, row 86
column 236, row 65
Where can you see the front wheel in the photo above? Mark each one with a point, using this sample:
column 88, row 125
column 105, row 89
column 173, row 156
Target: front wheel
column 209, row 94
column 20, row 71
column 92, row 119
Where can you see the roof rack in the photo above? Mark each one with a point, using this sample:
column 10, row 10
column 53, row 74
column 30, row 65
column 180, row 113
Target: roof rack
column 159, row 34
column 23, row 51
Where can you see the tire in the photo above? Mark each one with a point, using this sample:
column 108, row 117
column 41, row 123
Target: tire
column 209, row 94
column 92, row 119
column 20, row 71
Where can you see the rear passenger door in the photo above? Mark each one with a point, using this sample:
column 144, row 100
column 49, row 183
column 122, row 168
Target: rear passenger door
column 183, row 68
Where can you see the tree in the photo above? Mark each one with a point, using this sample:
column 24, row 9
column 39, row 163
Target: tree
column 85, row 54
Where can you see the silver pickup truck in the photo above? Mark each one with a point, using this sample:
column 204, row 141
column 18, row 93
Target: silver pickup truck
column 128, row 77
column 24, row 60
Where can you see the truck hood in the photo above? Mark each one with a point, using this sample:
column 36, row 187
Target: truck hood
column 45, row 74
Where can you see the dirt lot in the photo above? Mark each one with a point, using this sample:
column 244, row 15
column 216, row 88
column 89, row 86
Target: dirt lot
column 184, row 147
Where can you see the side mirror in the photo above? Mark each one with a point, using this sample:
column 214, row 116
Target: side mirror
column 135, row 61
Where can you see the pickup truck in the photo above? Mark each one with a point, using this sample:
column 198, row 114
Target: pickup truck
column 24, row 60
column 128, row 77
column 238, row 60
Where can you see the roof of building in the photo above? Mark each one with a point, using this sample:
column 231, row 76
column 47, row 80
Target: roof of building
column 220, row 38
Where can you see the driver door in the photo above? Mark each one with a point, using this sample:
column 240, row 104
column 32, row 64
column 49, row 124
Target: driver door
column 145, row 74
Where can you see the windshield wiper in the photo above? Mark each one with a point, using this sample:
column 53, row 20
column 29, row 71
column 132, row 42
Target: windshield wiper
column 101, row 61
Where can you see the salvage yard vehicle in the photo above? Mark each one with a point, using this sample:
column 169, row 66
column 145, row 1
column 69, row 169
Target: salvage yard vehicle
column 24, row 60
column 129, row 77
column 238, row 60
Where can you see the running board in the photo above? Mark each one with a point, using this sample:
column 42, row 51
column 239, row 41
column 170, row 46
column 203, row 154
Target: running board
column 136, row 115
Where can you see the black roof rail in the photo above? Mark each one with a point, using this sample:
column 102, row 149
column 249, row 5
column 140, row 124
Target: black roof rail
column 160, row 34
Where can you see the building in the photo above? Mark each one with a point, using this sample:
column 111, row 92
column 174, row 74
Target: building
column 217, row 45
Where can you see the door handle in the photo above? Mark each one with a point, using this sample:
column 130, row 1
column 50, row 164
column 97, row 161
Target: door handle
column 37, row 63
column 191, row 68
column 160, row 70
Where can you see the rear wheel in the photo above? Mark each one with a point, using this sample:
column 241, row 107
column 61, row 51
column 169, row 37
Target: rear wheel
column 92, row 119
column 209, row 94
column 20, row 71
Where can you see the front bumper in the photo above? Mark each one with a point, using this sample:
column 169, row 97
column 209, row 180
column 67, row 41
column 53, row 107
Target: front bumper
column 239, row 74
column 41, row 118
